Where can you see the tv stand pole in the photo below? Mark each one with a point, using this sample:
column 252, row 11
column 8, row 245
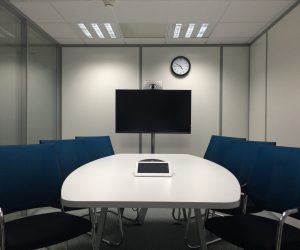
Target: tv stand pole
column 152, row 143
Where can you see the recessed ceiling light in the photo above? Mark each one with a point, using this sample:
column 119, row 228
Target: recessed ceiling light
column 202, row 30
column 97, row 30
column 189, row 30
column 110, row 30
column 85, row 30
column 177, row 30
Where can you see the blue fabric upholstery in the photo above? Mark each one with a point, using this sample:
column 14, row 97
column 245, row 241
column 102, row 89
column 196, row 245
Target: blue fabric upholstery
column 274, row 186
column 241, row 156
column 97, row 146
column 275, row 181
column 29, row 177
column 217, row 148
column 71, row 154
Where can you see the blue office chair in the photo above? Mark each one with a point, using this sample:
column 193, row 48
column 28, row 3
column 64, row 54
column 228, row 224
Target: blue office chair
column 274, row 186
column 97, row 146
column 239, row 159
column 71, row 154
column 30, row 178
column 238, row 156
column 215, row 152
column 218, row 146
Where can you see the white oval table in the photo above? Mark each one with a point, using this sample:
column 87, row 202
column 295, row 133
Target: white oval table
column 110, row 182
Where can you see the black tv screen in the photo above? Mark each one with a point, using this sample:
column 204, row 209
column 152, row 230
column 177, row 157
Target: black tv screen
column 153, row 111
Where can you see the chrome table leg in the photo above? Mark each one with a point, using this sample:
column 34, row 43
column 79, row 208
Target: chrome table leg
column 200, row 227
column 100, row 229
column 142, row 215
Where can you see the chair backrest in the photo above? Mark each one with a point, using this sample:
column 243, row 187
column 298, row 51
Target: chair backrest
column 275, row 181
column 97, row 146
column 29, row 177
column 240, row 157
column 217, row 147
column 71, row 154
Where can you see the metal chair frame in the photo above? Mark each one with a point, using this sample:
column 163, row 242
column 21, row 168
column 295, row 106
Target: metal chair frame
column 2, row 236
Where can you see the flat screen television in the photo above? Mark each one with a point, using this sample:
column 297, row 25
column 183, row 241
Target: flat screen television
column 153, row 111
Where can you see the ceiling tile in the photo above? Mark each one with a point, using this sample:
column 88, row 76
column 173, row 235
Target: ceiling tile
column 152, row 21
column 143, row 30
column 70, row 40
column 39, row 12
column 228, row 40
column 186, row 41
column 237, row 29
column 195, row 11
column 59, row 30
column 145, row 40
column 84, row 11
column 254, row 11
column 141, row 11
column 104, row 41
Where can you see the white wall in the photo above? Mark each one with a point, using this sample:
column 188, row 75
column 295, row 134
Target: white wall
column 41, row 94
column 90, row 76
column 257, row 112
column 235, row 91
column 10, row 95
column 89, row 79
column 283, row 88
column 283, row 116
column 204, row 81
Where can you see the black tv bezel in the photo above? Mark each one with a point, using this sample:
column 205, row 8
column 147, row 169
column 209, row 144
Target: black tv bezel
column 151, row 132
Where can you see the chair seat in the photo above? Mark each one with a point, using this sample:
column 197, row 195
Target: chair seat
column 251, row 209
column 43, row 230
column 253, row 232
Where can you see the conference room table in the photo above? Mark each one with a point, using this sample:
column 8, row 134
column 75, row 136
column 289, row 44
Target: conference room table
column 110, row 182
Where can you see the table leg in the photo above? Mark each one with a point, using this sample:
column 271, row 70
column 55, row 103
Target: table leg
column 100, row 228
column 200, row 227
column 142, row 215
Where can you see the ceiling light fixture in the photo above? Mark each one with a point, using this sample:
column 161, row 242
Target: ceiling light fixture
column 177, row 30
column 189, row 30
column 97, row 30
column 110, row 30
column 202, row 30
column 85, row 30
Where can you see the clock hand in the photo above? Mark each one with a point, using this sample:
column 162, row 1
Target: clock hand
column 179, row 65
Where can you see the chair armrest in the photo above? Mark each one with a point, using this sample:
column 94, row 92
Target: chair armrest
column 2, row 236
column 244, row 188
column 281, row 222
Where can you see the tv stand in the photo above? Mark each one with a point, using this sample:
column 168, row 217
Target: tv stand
column 152, row 143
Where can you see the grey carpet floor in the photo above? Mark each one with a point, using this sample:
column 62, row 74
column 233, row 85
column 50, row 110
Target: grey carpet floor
column 158, row 232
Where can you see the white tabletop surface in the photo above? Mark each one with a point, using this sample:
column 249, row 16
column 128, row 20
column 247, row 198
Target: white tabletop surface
column 110, row 182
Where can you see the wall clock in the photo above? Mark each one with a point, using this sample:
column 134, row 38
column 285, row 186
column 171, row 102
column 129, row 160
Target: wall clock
column 180, row 66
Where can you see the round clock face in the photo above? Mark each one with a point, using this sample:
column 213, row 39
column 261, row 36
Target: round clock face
column 180, row 66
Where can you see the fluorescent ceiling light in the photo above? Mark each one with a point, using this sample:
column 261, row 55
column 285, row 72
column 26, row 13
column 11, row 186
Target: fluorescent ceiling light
column 97, row 30
column 189, row 30
column 85, row 30
column 202, row 29
column 110, row 30
column 177, row 30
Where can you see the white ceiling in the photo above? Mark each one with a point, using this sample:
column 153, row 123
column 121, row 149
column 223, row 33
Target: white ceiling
column 152, row 21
